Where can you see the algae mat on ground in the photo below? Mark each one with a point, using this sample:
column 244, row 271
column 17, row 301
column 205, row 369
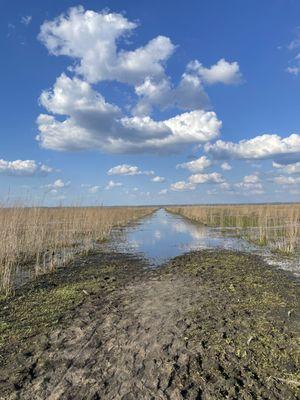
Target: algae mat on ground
column 207, row 325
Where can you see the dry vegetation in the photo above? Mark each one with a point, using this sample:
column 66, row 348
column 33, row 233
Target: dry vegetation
column 48, row 237
column 275, row 225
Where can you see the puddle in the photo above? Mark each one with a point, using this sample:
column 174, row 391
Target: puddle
column 164, row 235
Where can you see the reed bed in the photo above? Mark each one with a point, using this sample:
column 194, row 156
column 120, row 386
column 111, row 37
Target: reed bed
column 277, row 226
column 45, row 238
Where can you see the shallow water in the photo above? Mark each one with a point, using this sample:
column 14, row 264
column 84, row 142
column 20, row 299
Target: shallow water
column 163, row 235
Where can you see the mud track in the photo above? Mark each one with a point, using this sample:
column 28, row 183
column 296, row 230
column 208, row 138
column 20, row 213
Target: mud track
column 169, row 333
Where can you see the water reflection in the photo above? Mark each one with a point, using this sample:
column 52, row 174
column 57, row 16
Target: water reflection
column 163, row 236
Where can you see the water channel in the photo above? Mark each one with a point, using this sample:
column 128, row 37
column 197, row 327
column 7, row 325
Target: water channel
column 162, row 236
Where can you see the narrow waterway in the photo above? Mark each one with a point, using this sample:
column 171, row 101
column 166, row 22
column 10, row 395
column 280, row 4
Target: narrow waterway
column 162, row 236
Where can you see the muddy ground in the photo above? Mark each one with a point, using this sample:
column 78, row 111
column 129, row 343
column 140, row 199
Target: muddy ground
column 207, row 325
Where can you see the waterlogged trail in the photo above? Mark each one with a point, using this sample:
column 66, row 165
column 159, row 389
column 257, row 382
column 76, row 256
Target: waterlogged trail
column 208, row 324
column 164, row 235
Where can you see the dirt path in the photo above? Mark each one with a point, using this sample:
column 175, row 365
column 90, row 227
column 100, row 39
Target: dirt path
column 156, row 336
column 137, row 351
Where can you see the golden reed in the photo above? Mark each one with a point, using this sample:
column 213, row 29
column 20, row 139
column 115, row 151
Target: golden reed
column 276, row 225
column 41, row 236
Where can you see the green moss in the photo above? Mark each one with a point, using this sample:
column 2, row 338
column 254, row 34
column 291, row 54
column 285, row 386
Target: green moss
column 248, row 313
column 43, row 307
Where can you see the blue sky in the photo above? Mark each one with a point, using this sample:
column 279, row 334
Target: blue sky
column 150, row 102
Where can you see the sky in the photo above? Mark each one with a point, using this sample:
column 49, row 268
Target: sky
column 139, row 102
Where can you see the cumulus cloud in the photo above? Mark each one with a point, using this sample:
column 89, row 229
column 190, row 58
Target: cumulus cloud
column 295, row 70
column 251, row 179
column 182, row 186
column 95, row 43
column 260, row 147
column 113, row 184
column 91, row 38
column 196, row 165
column 23, row 168
column 221, row 72
column 158, row 179
column 58, row 184
column 286, row 180
column 289, row 168
column 226, row 166
column 213, row 177
column 198, row 179
column 251, row 184
column 125, row 169
column 189, row 94
column 92, row 123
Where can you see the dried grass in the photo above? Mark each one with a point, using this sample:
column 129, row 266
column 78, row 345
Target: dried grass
column 268, row 224
column 47, row 237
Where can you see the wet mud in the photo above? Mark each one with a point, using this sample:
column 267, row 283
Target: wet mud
column 206, row 325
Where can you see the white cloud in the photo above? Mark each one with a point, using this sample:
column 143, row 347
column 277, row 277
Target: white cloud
column 58, row 184
column 293, row 70
column 45, row 169
column 222, row 72
column 251, row 179
column 26, row 19
column 23, row 168
column 251, row 184
column 92, row 39
column 158, row 179
column 189, row 94
column 181, row 186
column 226, row 166
column 289, row 168
column 113, row 184
column 196, row 165
column 221, row 188
column 213, row 177
column 18, row 167
column 198, row 179
column 93, row 123
column 260, row 147
column 125, row 169
column 286, row 180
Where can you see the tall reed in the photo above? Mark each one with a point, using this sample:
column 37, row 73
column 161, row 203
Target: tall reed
column 46, row 237
column 277, row 225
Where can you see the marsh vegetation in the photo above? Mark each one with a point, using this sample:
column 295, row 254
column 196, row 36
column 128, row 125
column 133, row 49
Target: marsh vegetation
column 277, row 226
column 45, row 238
